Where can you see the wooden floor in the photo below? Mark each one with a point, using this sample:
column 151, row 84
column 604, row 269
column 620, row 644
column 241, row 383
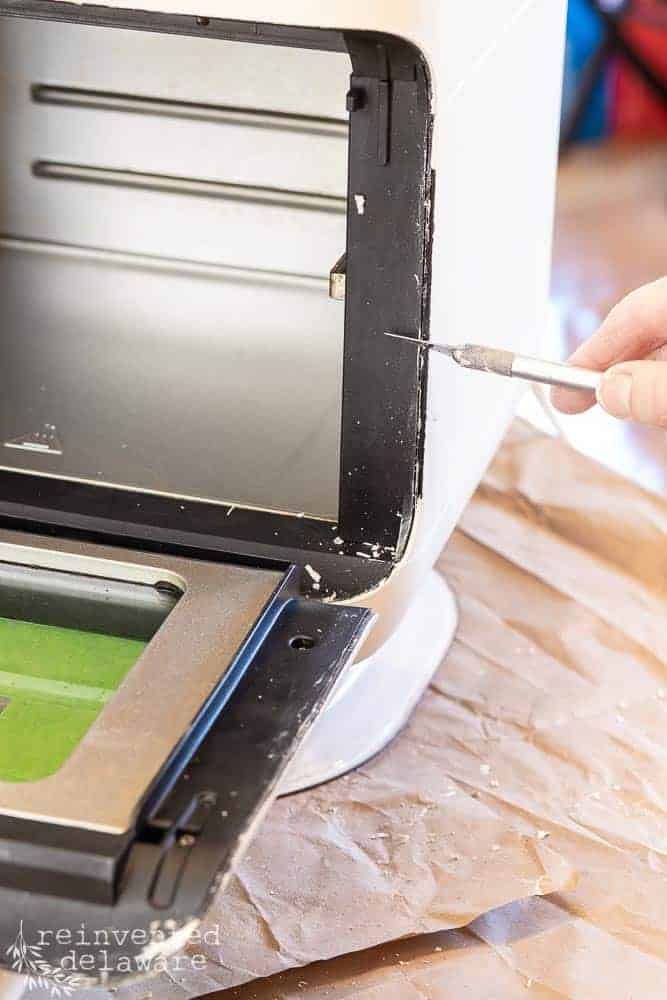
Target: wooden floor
column 610, row 237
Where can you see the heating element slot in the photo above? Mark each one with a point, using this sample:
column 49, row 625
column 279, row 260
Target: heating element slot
column 77, row 97
column 189, row 185
column 170, row 265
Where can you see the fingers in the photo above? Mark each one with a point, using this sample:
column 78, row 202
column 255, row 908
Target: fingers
column 636, row 390
column 572, row 400
column 634, row 329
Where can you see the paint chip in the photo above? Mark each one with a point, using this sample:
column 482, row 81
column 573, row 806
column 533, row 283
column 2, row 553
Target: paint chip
column 360, row 203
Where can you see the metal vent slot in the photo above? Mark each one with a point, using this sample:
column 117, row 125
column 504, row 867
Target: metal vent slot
column 96, row 100
column 170, row 265
column 167, row 184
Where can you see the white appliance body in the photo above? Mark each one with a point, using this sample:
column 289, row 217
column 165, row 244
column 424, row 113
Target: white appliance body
column 496, row 68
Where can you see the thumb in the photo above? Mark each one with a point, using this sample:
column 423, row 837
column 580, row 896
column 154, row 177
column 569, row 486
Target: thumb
column 636, row 390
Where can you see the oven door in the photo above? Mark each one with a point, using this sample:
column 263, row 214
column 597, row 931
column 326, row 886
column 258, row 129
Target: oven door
column 132, row 834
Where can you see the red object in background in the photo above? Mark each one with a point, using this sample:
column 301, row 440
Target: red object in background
column 637, row 112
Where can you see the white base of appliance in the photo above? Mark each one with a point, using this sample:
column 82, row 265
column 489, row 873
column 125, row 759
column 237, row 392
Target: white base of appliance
column 375, row 697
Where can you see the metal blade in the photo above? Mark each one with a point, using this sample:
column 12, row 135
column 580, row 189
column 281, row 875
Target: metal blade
column 430, row 344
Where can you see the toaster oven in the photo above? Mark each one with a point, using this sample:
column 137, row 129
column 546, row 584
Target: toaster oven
column 222, row 487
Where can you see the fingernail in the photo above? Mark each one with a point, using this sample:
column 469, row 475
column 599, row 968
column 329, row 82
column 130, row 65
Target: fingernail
column 614, row 394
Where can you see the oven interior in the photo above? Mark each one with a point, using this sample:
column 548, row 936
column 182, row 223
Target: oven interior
column 170, row 210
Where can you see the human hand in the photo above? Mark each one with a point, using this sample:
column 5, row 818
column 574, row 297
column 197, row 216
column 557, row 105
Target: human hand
column 631, row 348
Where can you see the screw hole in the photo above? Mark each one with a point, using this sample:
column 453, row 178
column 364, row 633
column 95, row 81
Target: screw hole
column 203, row 22
column 302, row 642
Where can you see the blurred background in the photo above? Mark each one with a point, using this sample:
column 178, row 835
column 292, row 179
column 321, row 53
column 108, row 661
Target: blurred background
column 611, row 212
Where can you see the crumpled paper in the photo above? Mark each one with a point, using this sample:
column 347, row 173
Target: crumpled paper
column 536, row 764
column 559, row 677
